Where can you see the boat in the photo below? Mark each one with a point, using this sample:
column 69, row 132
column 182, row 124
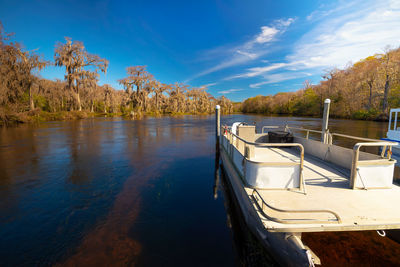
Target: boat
column 286, row 184
column 393, row 133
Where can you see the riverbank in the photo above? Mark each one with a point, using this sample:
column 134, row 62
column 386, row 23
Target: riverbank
column 9, row 118
column 36, row 116
column 13, row 118
column 360, row 115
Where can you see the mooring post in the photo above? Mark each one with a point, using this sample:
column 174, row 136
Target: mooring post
column 324, row 137
column 217, row 135
column 218, row 121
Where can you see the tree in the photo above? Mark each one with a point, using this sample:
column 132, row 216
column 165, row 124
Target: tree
column 16, row 71
column 366, row 72
column 159, row 95
column 30, row 62
column 138, row 76
column 74, row 57
column 389, row 68
column 177, row 97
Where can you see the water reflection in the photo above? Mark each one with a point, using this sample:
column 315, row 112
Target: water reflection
column 216, row 169
column 249, row 251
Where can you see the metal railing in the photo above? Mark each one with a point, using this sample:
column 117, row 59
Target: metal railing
column 353, row 137
column 331, row 135
column 234, row 140
column 269, row 127
column 258, row 198
column 357, row 162
column 308, row 131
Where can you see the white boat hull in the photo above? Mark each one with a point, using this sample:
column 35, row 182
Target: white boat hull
column 283, row 246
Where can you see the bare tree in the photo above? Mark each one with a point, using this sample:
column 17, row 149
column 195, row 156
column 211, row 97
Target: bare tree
column 387, row 69
column 138, row 76
column 30, row 62
column 177, row 97
column 74, row 57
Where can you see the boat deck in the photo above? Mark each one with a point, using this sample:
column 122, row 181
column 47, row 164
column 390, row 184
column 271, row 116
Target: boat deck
column 327, row 188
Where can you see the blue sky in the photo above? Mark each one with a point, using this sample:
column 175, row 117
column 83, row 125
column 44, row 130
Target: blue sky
column 237, row 48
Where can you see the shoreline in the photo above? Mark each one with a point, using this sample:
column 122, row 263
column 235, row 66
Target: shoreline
column 36, row 116
column 379, row 118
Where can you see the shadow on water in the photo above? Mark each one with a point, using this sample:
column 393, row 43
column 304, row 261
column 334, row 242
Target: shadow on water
column 249, row 251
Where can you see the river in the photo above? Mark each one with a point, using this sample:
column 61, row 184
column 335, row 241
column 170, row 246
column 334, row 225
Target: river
column 108, row 191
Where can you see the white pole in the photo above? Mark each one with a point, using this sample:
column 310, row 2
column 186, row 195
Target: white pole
column 218, row 120
column 325, row 120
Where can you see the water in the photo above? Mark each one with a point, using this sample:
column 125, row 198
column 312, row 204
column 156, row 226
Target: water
column 108, row 191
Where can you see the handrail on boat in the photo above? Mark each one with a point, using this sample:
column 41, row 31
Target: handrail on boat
column 266, row 144
column 292, row 221
column 356, row 137
column 269, row 127
column 331, row 135
column 308, row 131
column 356, row 155
column 247, row 157
column 303, row 129
column 384, row 144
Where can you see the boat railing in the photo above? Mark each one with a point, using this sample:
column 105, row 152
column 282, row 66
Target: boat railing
column 331, row 135
column 262, row 204
column 269, row 127
column 246, row 152
column 357, row 163
column 352, row 137
column 308, row 131
column 362, row 170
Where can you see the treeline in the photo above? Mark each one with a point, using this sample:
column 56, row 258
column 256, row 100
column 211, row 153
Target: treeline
column 364, row 90
column 24, row 94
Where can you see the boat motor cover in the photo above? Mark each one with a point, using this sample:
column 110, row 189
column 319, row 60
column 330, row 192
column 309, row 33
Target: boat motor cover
column 280, row 137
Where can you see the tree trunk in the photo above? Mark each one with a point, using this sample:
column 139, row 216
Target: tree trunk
column 386, row 94
column 370, row 95
column 157, row 102
column 78, row 100
column 139, row 98
column 145, row 102
column 32, row 104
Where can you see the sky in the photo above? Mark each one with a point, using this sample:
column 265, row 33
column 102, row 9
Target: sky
column 236, row 48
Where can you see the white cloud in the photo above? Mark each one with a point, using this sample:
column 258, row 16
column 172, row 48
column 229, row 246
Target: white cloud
column 209, row 84
column 347, row 33
column 252, row 72
column 250, row 50
column 342, row 37
column 267, row 35
column 285, row 23
column 247, row 54
column 280, row 77
column 229, row 91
